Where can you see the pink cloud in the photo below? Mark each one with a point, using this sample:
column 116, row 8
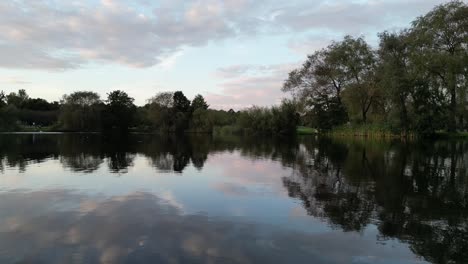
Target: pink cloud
column 245, row 85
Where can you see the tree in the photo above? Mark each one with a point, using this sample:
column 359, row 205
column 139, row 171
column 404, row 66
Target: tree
column 82, row 99
column 160, row 111
column 199, row 103
column 81, row 111
column 120, row 111
column 39, row 104
column 326, row 74
column 397, row 75
column 181, row 103
column 181, row 112
column 17, row 99
column 2, row 99
column 163, row 99
column 440, row 43
column 345, row 65
column 357, row 61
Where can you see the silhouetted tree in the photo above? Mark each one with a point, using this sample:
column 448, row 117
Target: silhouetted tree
column 17, row 99
column 199, row 103
column 81, row 111
column 181, row 110
column 120, row 111
column 181, row 103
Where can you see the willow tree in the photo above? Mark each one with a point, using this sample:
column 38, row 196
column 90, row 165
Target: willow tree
column 358, row 62
column 326, row 76
column 160, row 110
column 441, row 38
column 81, row 111
column 396, row 75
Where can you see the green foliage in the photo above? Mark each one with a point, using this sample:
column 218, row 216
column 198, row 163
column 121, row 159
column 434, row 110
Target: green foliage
column 414, row 82
column 2, row 99
column 81, row 111
column 199, row 103
column 379, row 130
column 159, row 111
column 8, row 118
column 281, row 119
column 17, row 99
column 120, row 112
column 181, row 103
column 202, row 120
column 441, row 38
column 30, row 111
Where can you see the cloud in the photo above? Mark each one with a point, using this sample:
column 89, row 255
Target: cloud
column 231, row 189
column 51, row 35
column 141, row 227
column 13, row 80
column 311, row 42
column 43, row 34
column 351, row 17
column 246, row 85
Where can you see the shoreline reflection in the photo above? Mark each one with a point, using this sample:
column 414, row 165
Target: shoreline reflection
column 362, row 197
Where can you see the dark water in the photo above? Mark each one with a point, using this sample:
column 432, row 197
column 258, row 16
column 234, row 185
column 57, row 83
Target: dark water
column 146, row 199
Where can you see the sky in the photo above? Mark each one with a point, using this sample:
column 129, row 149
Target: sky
column 236, row 53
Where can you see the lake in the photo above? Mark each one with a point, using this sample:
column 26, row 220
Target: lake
column 88, row 198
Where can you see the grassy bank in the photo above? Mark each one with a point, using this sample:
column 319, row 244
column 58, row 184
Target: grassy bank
column 448, row 135
column 367, row 130
column 302, row 130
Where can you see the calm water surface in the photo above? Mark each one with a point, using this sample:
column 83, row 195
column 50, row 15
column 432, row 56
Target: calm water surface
column 84, row 198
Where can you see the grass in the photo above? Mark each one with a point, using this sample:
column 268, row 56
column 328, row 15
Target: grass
column 302, row 130
column 445, row 134
column 365, row 130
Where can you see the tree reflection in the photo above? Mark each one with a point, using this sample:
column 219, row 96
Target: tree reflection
column 120, row 152
column 21, row 150
column 415, row 192
column 80, row 153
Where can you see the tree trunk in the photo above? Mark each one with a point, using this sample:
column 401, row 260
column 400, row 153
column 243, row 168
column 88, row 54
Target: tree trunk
column 404, row 116
column 453, row 108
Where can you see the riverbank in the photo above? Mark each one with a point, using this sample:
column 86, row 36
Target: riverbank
column 362, row 131
column 380, row 131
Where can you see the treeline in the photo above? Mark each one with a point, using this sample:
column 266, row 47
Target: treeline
column 16, row 108
column 166, row 112
column 415, row 81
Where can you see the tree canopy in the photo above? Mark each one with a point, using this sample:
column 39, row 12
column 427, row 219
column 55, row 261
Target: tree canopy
column 414, row 81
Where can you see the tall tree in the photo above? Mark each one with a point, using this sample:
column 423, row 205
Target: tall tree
column 199, row 103
column 396, row 73
column 120, row 111
column 319, row 83
column 357, row 60
column 160, row 111
column 441, row 45
column 17, row 99
column 82, row 99
column 181, row 112
column 81, row 111
column 326, row 74
column 163, row 99
column 181, row 103
column 2, row 99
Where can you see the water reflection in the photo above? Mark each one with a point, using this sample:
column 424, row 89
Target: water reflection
column 93, row 230
column 364, row 201
column 417, row 193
